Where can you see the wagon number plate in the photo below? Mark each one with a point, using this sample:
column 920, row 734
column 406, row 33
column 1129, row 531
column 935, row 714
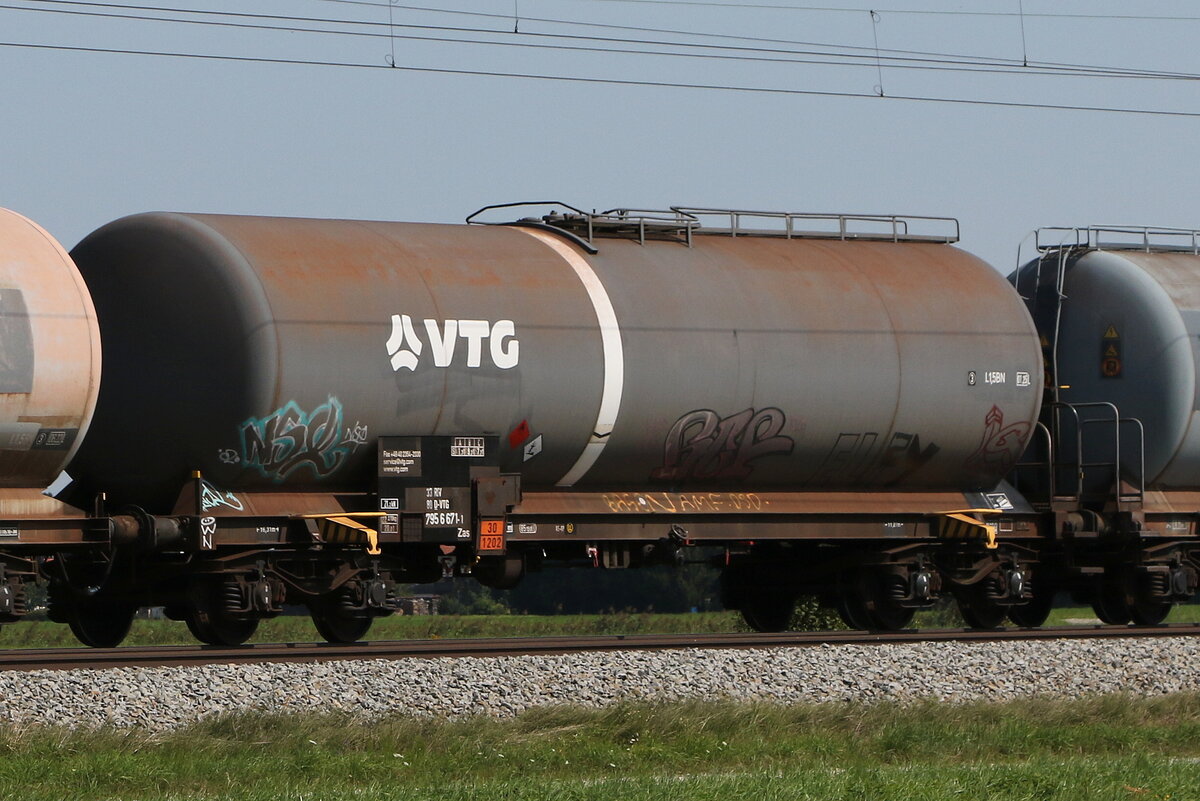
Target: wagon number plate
column 491, row 535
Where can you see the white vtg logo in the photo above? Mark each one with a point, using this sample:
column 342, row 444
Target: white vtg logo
column 405, row 347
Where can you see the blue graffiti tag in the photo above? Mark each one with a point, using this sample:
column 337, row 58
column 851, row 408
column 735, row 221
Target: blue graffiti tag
column 290, row 439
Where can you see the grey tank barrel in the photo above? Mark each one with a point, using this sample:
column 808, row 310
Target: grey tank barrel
column 270, row 354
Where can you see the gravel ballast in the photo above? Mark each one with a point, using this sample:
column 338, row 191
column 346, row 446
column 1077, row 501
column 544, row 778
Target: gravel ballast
column 164, row 698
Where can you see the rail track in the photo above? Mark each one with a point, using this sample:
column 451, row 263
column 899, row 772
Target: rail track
column 180, row 655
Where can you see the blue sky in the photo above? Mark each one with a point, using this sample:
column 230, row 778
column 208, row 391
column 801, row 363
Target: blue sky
column 91, row 136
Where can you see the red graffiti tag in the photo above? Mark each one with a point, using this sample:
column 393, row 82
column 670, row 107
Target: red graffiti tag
column 1000, row 446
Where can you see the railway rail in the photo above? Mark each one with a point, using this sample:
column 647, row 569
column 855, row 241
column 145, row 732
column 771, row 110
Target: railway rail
column 184, row 655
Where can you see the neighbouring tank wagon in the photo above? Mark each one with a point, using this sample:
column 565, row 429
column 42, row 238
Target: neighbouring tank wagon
column 49, row 358
column 1128, row 335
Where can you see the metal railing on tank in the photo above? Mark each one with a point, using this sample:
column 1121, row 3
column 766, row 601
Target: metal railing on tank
column 805, row 225
column 1148, row 239
column 1041, row 488
column 679, row 223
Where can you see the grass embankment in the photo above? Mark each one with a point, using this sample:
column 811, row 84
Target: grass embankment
column 1061, row 616
column 1098, row 748
column 296, row 628
column 43, row 634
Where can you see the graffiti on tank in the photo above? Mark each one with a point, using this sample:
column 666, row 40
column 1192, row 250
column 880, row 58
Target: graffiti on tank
column 861, row 458
column 290, row 440
column 355, row 435
column 678, row 502
column 228, row 456
column 211, row 498
column 1000, row 445
column 405, row 345
column 703, row 445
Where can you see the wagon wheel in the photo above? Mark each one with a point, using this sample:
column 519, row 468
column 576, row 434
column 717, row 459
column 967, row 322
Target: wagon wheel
column 337, row 617
column 888, row 616
column 884, row 611
column 850, row 604
column 1149, row 613
column 864, row 602
column 982, row 614
column 768, row 611
column 220, row 629
column 96, row 621
column 1033, row 614
column 101, row 625
column 1146, row 609
column 210, row 623
column 338, row 627
column 1110, row 602
column 978, row 610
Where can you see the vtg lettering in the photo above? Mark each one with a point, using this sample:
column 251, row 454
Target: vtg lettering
column 405, row 346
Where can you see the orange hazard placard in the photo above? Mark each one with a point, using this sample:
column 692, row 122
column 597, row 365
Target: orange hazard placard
column 491, row 535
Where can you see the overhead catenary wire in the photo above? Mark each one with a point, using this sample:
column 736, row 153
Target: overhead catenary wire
column 817, row 58
column 908, row 11
column 607, row 81
column 945, row 62
column 738, row 52
column 392, row 4
column 700, row 34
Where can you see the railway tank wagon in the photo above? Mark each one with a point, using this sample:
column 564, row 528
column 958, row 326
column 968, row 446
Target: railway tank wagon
column 1118, row 309
column 327, row 407
column 50, row 358
column 49, row 361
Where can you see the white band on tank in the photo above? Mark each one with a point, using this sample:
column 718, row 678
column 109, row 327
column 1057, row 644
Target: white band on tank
column 614, row 356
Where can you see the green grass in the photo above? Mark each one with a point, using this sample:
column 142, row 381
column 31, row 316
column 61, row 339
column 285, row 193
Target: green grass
column 1061, row 616
column 296, row 628
column 1108, row 747
column 1184, row 613
column 43, row 634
